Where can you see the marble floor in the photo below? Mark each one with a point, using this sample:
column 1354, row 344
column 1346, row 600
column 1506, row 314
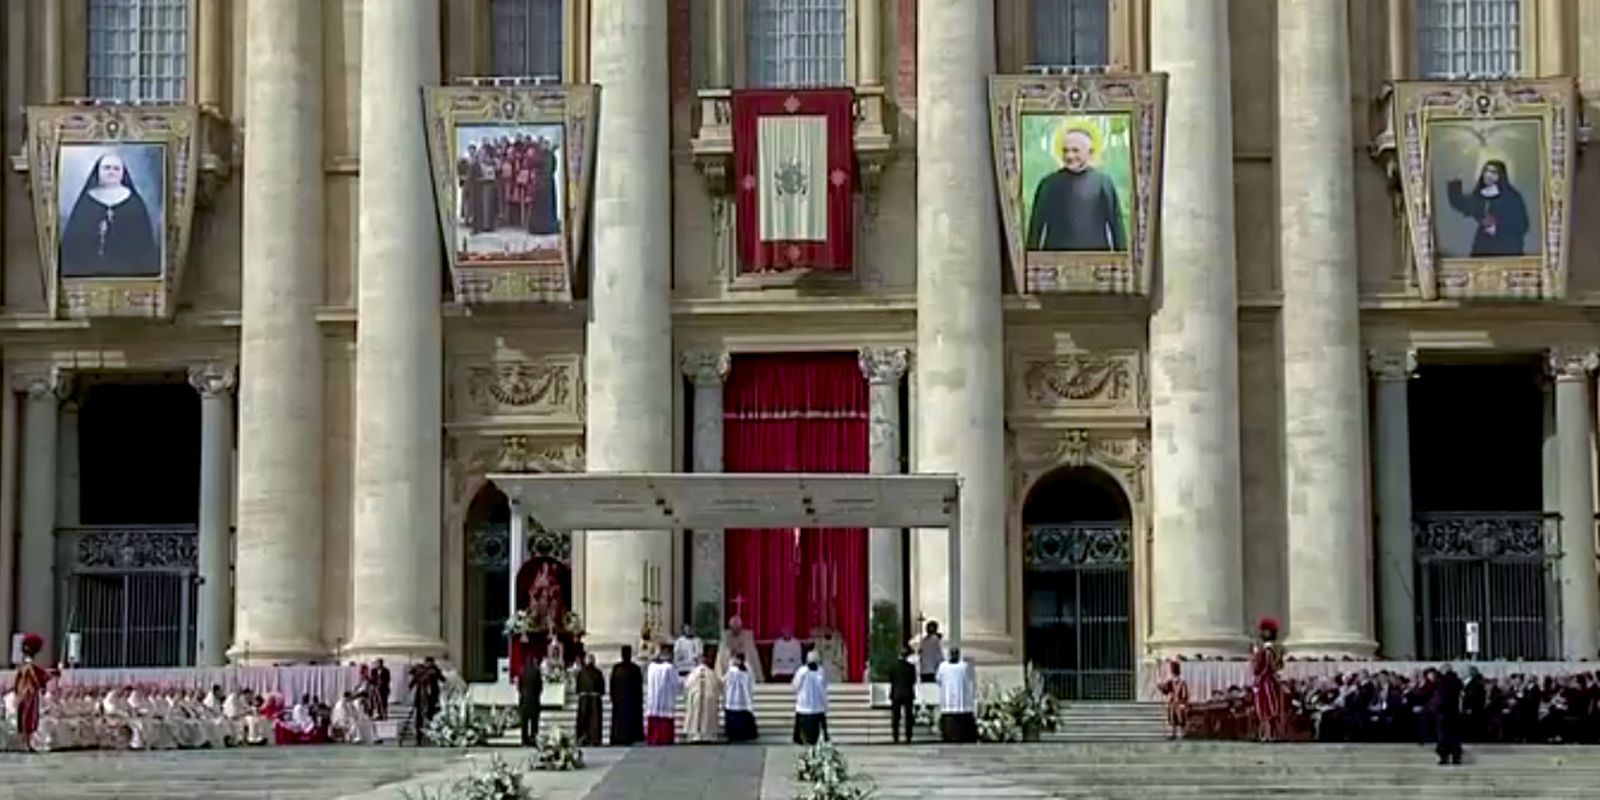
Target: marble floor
column 927, row 772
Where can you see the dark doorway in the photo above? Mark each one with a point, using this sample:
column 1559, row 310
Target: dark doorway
column 139, row 453
column 1077, row 585
column 486, row 600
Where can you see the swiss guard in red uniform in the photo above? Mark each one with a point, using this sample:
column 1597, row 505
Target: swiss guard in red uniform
column 1266, row 661
column 30, row 684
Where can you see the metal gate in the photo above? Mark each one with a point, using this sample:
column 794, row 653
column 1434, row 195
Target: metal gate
column 488, row 573
column 1078, row 593
column 131, row 594
column 1497, row 572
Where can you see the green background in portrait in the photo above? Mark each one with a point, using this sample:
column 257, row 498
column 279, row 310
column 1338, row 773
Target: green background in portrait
column 1458, row 149
column 1115, row 157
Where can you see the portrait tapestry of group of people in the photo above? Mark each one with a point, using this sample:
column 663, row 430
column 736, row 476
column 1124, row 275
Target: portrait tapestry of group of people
column 509, row 187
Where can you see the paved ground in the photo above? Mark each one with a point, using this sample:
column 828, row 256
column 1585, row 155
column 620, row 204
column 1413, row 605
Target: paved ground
column 927, row 772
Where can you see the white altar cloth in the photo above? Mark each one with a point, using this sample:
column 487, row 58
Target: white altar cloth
column 1206, row 677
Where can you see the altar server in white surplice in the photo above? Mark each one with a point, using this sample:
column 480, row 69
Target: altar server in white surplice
column 686, row 651
column 810, row 702
column 661, row 688
column 958, row 702
column 787, row 656
column 702, row 702
column 738, row 703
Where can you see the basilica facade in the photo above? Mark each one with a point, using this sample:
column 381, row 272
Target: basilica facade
column 1219, row 310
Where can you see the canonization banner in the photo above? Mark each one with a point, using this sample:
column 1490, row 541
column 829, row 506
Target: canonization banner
column 795, row 177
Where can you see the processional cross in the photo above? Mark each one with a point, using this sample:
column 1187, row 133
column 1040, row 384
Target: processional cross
column 738, row 606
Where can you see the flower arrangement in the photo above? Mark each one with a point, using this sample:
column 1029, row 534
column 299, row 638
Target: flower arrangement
column 1032, row 707
column 996, row 723
column 823, row 774
column 520, row 623
column 461, row 724
column 926, row 715
column 498, row 782
column 556, row 750
column 573, row 624
column 553, row 673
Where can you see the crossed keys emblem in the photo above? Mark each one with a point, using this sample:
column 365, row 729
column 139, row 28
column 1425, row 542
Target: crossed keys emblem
column 791, row 178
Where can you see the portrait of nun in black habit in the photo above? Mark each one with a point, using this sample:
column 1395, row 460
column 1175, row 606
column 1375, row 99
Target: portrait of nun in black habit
column 1497, row 208
column 110, row 232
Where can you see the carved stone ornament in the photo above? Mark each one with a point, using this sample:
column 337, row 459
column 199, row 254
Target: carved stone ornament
column 505, row 264
column 159, row 147
column 1572, row 364
column 211, row 380
column 525, row 386
column 706, row 367
column 1078, row 379
column 1090, row 544
column 1134, row 106
column 519, row 453
column 136, row 549
column 1121, row 453
column 1445, row 134
column 884, row 365
column 1392, row 364
column 40, row 385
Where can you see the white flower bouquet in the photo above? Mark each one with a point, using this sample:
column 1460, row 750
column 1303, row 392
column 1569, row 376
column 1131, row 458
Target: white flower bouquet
column 556, row 750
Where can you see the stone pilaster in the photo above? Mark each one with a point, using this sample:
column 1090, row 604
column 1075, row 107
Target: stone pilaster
column 719, row 46
column 214, row 618
column 1197, row 599
column 36, row 551
column 960, row 336
column 278, row 611
column 399, row 414
column 69, row 472
column 1580, row 596
column 629, row 358
column 707, row 369
column 1329, row 586
column 885, row 369
column 8, row 511
column 1392, row 371
column 869, row 43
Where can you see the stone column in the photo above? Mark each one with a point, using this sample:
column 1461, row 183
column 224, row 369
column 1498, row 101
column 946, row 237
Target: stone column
column 8, row 514
column 706, row 370
column 884, row 367
column 69, row 473
column 399, row 415
column 718, row 74
column 36, row 551
column 1391, row 466
column 1329, row 586
column 869, row 44
column 629, row 359
column 1196, row 559
column 214, row 624
column 1580, row 595
column 278, row 598
column 960, row 337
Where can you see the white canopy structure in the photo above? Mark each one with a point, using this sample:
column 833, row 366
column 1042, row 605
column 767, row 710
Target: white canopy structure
column 713, row 501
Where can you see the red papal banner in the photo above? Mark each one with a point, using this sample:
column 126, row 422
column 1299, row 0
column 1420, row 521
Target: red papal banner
column 794, row 168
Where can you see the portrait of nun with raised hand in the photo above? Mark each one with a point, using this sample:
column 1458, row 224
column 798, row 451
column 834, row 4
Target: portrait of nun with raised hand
column 112, row 205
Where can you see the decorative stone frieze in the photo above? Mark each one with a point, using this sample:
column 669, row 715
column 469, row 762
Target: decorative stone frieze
column 547, row 387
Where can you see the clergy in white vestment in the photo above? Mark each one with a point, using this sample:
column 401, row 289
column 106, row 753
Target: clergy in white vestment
column 300, row 719
column 686, row 651
column 787, row 656
column 810, row 702
column 660, row 698
column 739, row 640
column 829, row 648
column 958, row 702
column 738, row 702
column 702, row 699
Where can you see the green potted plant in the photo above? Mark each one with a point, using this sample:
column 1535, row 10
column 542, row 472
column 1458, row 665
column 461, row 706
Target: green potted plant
column 883, row 648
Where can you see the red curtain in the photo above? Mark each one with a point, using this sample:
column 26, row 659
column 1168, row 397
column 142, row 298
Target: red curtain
column 798, row 412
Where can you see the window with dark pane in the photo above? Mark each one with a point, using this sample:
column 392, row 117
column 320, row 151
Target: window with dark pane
column 527, row 38
column 795, row 43
column 1071, row 33
column 139, row 50
column 1469, row 38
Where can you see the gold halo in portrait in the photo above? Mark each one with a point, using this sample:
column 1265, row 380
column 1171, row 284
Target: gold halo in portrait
column 1058, row 139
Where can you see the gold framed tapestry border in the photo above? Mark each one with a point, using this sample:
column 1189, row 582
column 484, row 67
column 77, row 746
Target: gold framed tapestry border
column 1085, row 149
column 512, row 171
column 1507, row 237
column 114, row 191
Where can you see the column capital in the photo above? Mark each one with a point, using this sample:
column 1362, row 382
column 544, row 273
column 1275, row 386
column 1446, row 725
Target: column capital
column 706, row 367
column 1571, row 363
column 211, row 380
column 42, row 384
column 884, row 365
column 1392, row 364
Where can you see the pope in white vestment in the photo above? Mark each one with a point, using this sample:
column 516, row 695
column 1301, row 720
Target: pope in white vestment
column 701, row 703
column 660, row 699
column 737, row 639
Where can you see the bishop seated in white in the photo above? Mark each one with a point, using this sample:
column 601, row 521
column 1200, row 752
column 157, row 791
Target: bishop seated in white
column 737, row 639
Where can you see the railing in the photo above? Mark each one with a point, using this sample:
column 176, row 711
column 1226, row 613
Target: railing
column 129, row 592
column 1080, row 608
column 1486, row 584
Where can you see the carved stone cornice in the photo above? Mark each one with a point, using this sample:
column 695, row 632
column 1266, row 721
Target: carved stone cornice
column 211, row 380
column 1392, row 364
column 1122, row 453
column 41, row 385
column 706, row 368
column 522, row 386
column 1571, row 364
column 1082, row 378
column 884, row 365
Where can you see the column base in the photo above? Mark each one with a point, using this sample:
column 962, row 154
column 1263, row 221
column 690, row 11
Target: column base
column 986, row 647
column 404, row 648
column 1221, row 644
column 1330, row 647
column 286, row 651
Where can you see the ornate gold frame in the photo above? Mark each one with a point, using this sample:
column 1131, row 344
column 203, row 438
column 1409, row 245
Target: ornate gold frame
column 177, row 129
column 574, row 107
column 1143, row 98
column 1551, row 101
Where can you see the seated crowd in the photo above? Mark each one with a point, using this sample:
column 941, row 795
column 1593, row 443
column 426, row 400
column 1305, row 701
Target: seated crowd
column 165, row 718
column 1385, row 706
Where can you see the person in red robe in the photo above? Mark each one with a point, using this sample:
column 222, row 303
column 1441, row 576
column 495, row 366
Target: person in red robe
column 30, row 683
column 1266, row 662
column 1176, row 690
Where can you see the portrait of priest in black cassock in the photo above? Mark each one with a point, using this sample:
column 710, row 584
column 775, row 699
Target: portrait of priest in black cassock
column 1077, row 207
column 112, row 229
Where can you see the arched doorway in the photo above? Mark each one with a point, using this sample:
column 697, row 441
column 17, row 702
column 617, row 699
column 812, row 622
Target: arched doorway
column 486, row 600
column 1077, row 585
